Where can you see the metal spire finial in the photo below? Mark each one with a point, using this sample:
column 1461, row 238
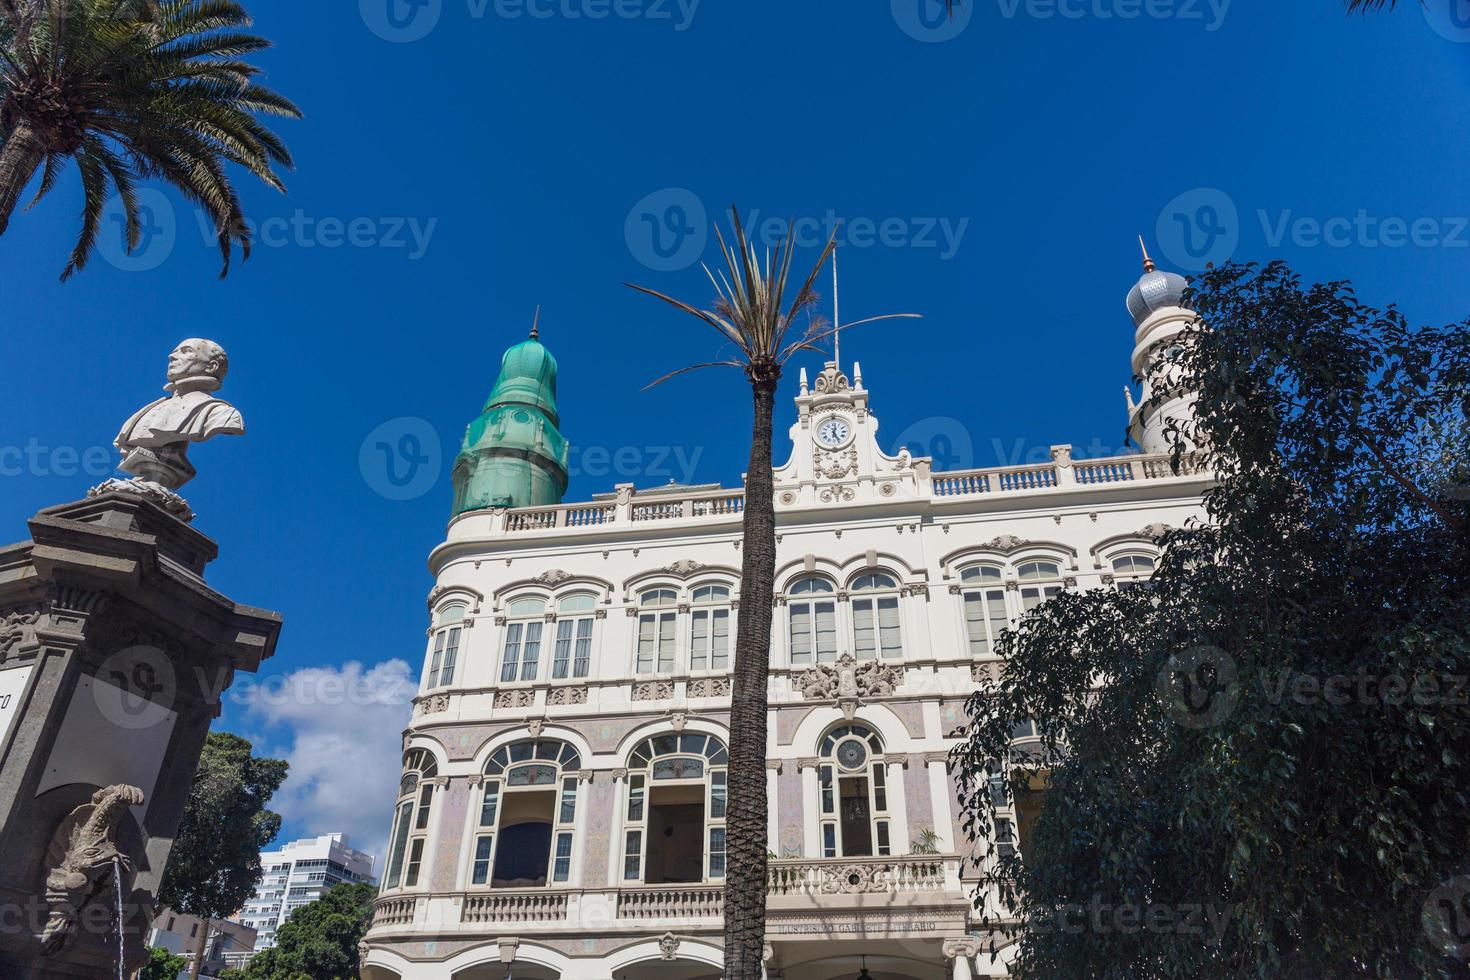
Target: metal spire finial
column 1148, row 263
column 536, row 324
column 836, row 320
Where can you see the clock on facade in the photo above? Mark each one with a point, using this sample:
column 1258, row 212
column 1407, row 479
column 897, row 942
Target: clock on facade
column 833, row 432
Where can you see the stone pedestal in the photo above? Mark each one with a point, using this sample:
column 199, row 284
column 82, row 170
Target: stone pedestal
column 114, row 654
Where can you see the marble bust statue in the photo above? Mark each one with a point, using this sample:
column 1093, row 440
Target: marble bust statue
column 154, row 443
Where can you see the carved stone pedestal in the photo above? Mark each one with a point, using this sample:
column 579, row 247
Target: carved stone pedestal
column 114, row 654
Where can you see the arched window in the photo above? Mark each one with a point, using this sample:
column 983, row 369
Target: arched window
column 875, row 628
column 521, row 658
column 448, row 627
column 984, row 594
column 573, row 654
column 1040, row 580
column 1131, row 571
column 812, row 608
column 853, row 780
column 674, row 824
column 411, row 819
column 709, row 628
column 657, row 632
column 528, row 815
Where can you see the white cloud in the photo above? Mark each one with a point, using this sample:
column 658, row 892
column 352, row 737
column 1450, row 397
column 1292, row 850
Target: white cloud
column 341, row 731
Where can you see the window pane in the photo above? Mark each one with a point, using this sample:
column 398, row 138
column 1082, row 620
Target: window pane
column 526, row 607
column 717, row 796
column 828, row 802
column 415, row 859
column 512, row 652
column 480, row 874
column 491, row 806
column 864, row 639
column 635, row 799
column 563, row 868
column 582, row 663
column 885, row 847
column 981, row 573
column 531, row 655
column 426, row 796
column 400, row 840
column 633, row 856
column 829, row 840
column 975, row 624
column 451, row 653
column 437, row 658
column 451, row 614
column 666, row 643
column 801, row 633
column 826, row 631
column 699, row 640
column 995, row 604
column 562, row 657
column 582, row 602
column 568, row 800
column 717, row 852
column 720, row 641
column 890, row 642
column 645, row 644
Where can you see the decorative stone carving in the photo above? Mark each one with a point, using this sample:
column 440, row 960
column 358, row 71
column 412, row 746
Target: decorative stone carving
column 980, row 673
column 966, row 948
column 1154, row 531
column 668, row 946
column 18, row 631
column 831, row 380
column 80, row 861
column 684, row 567
column 553, row 577
column 835, row 465
column 678, row 720
column 788, row 497
column 888, row 489
column 653, row 691
column 836, row 495
column 709, row 687
column 514, row 699
column 431, row 705
column 564, row 696
column 535, row 727
column 856, row 879
column 154, row 441
column 1005, row 543
column 847, row 678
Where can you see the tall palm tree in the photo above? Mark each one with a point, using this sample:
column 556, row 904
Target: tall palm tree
column 750, row 311
column 132, row 90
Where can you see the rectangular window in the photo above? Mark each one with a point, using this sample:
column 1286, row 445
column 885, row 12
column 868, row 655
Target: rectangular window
column 885, row 846
column 451, row 654
column 490, row 806
column 511, row 659
column 710, row 640
column 562, row 871
column 437, row 658
column 813, row 629
column 531, row 652
column 635, row 799
column 1033, row 596
column 426, row 796
column 890, row 644
column 561, row 663
column 633, row 856
column 483, row 847
column 828, row 799
column 656, row 643
column 829, row 840
column 1005, row 838
column 717, row 852
column 415, row 858
column 582, row 660
column 880, row 788
column 718, row 795
column 985, row 618
column 568, row 801
column 400, row 840
column 864, row 630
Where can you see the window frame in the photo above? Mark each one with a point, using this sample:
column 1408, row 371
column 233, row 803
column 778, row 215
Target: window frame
column 663, row 619
column 719, row 603
column 574, row 622
column 413, row 812
column 497, row 786
column 809, row 602
column 713, row 755
column 830, row 773
column 519, row 629
column 446, row 637
column 875, row 596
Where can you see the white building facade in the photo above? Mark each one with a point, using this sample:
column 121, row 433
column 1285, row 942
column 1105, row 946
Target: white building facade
column 298, row 874
column 561, row 811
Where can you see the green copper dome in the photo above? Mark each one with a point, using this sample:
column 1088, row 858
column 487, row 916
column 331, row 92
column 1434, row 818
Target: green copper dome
column 513, row 454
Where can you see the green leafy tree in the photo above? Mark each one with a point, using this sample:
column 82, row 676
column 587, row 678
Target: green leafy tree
column 1258, row 765
column 131, row 90
column 162, row 965
column 319, row 941
column 214, row 865
column 752, row 313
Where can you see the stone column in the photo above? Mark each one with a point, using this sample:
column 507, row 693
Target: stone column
column 960, row 952
column 114, row 654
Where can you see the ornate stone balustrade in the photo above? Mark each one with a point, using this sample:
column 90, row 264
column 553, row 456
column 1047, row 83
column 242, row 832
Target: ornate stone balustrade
column 725, row 505
column 394, row 911
column 900, row 875
column 672, row 902
column 520, row 905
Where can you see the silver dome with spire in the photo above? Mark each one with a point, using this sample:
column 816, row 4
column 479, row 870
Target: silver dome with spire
column 1155, row 290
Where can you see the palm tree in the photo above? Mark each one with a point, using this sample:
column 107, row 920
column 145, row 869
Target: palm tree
column 749, row 312
column 131, row 90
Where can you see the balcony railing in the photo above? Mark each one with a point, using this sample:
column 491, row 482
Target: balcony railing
column 394, row 911
column 523, row 905
column 672, row 902
column 726, row 505
column 905, row 875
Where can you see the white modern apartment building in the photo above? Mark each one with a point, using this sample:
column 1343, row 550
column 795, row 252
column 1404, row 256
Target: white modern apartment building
column 562, row 802
column 298, row 874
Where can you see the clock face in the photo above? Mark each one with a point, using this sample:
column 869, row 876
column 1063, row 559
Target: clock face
column 852, row 754
column 833, row 432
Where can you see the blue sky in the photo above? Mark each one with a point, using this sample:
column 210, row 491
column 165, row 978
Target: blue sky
column 523, row 152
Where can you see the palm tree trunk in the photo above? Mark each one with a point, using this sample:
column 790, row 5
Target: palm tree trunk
column 199, row 949
column 746, row 822
column 19, row 158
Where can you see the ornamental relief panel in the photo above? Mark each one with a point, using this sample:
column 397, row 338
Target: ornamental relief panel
column 653, row 691
column 564, row 696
